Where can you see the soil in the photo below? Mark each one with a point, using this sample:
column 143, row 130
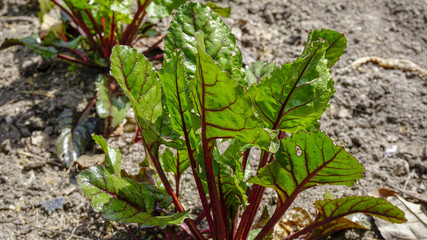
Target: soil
column 378, row 114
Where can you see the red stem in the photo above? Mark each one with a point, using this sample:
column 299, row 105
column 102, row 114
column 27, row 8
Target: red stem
column 100, row 36
column 112, row 29
column 255, row 197
column 79, row 23
column 134, row 31
column 200, row 190
column 177, row 176
column 245, row 159
column 129, row 28
column 219, row 231
column 89, row 35
column 169, row 189
column 75, row 60
column 223, row 207
column 79, row 54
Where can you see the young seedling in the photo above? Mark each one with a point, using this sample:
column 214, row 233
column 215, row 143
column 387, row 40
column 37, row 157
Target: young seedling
column 202, row 95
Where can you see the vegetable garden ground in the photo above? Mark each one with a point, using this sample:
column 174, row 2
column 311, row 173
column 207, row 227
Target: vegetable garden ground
column 378, row 113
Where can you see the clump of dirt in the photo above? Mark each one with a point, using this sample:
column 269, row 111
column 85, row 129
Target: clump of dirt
column 378, row 114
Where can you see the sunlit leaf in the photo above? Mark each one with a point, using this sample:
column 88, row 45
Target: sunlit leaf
column 219, row 42
column 337, row 44
column 258, row 71
column 175, row 87
column 110, row 105
column 331, row 213
column 225, row 109
column 306, row 160
column 163, row 8
column 125, row 201
column 294, row 96
column 113, row 156
column 138, row 80
column 221, row 11
column 74, row 137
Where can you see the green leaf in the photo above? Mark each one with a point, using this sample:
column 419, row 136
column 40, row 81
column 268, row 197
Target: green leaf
column 108, row 104
column 334, row 226
column 332, row 212
column 228, row 167
column 175, row 87
column 74, row 137
column 125, row 201
column 52, row 40
column 221, row 11
column 31, row 43
column 377, row 207
column 113, row 156
column 225, row 109
column 220, row 43
column 163, row 8
column 138, row 80
column 337, row 44
column 256, row 72
column 306, row 160
column 294, row 96
column 175, row 164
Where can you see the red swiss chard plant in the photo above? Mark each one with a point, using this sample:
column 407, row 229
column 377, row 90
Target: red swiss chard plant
column 203, row 97
column 84, row 32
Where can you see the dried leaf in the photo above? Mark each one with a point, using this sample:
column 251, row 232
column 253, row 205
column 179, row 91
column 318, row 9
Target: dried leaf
column 294, row 220
column 414, row 228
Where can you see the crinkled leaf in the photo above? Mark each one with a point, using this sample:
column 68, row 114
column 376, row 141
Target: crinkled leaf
column 110, row 105
column 256, row 72
column 74, row 137
column 220, row 43
column 113, row 156
column 176, row 164
column 306, row 160
column 331, row 212
column 31, row 43
column 337, row 44
column 225, row 109
column 221, row 11
column 175, row 87
column 125, row 201
column 294, row 96
column 138, row 80
column 163, row 8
